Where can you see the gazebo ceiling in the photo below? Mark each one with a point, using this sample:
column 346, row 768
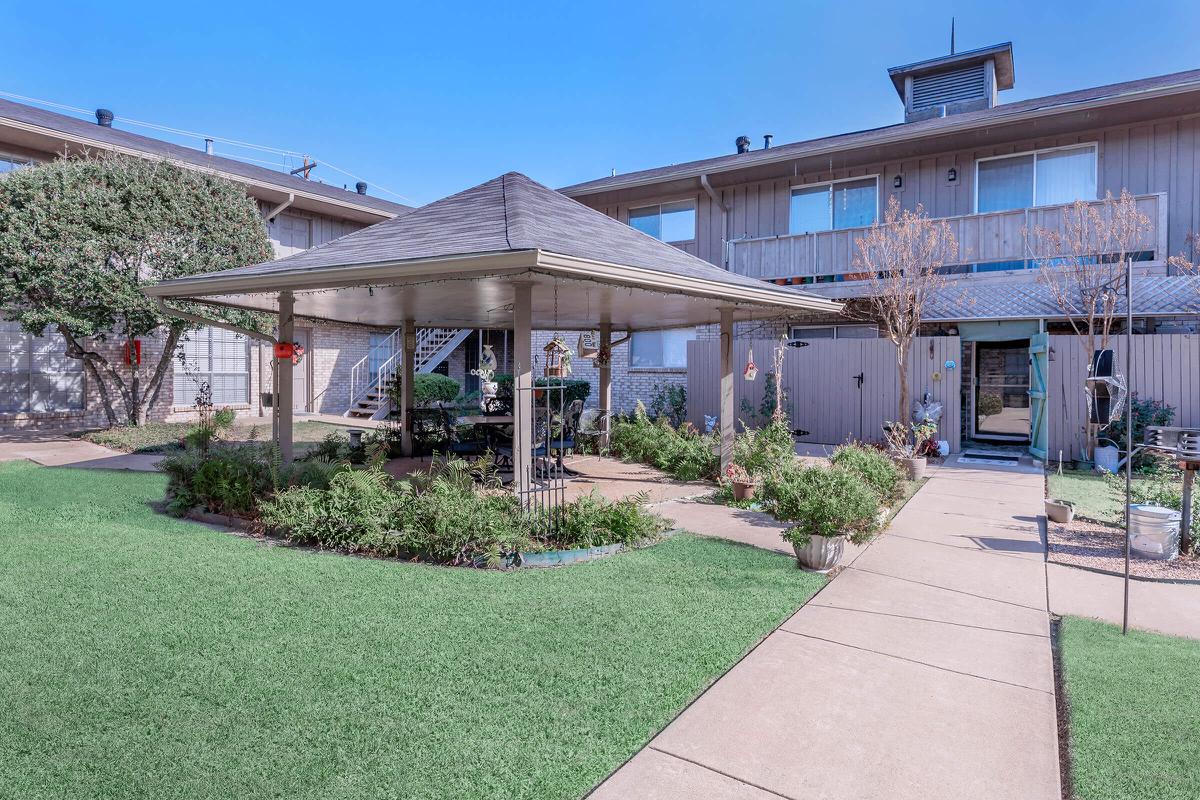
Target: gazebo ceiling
column 453, row 264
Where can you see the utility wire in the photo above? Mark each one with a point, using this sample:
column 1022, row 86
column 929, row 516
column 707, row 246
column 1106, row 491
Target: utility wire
column 224, row 140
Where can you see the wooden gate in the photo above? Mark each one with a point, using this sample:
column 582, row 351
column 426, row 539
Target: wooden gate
column 837, row 390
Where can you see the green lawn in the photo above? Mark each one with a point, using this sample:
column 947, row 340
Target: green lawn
column 1135, row 712
column 158, row 437
column 1090, row 494
column 150, row 657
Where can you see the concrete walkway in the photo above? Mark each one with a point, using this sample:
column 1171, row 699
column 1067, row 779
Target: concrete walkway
column 1160, row 607
column 58, row 450
column 923, row 670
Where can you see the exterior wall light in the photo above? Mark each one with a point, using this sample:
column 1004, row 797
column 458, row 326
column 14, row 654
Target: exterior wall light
column 898, row 182
column 952, row 174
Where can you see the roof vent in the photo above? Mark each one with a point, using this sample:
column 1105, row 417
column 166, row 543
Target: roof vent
column 361, row 187
column 743, row 144
column 104, row 118
column 208, row 146
column 952, row 84
column 767, row 137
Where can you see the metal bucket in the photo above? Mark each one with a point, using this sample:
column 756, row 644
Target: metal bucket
column 1154, row 532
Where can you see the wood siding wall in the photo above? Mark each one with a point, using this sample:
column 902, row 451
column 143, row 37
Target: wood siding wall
column 1144, row 158
column 1166, row 367
column 824, row 398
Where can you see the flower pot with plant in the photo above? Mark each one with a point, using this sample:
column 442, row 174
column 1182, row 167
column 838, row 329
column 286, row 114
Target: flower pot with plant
column 740, row 480
column 909, row 445
column 825, row 506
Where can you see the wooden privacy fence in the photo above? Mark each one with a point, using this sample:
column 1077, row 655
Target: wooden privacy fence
column 826, row 397
column 1166, row 367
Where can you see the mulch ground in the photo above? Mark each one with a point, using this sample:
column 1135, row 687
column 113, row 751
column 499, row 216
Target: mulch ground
column 1096, row 546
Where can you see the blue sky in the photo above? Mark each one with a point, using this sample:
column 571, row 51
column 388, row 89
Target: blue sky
column 425, row 100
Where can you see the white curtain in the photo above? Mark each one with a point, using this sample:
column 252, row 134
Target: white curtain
column 1064, row 176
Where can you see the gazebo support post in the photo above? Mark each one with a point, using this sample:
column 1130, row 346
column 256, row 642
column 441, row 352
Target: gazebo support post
column 283, row 372
column 605, row 399
column 522, row 355
column 407, row 364
column 726, row 404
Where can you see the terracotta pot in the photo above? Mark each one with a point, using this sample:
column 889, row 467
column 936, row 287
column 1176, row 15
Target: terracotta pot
column 821, row 554
column 1060, row 511
column 915, row 467
column 743, row 491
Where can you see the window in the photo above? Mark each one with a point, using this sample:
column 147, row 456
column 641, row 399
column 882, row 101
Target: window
column 9, row 163
column 834, row 206
column 1042, row 178
column 667, row 222
column 660, row 349
column 35, row 373
column 812, row 333
column 216, row 356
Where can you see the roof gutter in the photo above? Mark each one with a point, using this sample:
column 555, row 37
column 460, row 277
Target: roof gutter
column 279, row 209
column 781, row 153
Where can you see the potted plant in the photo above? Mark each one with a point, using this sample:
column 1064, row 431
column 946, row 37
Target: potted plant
column 743, row 484
column 1060, row 511
column 908, row 445
column 826, row 506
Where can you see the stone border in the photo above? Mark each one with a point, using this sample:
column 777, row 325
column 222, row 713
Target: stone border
column 562, row 558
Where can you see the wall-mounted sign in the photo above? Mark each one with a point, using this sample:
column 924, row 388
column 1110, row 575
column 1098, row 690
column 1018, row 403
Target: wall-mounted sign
column 950, row 363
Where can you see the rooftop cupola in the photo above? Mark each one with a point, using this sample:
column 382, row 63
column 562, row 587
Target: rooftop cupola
column 955, row 83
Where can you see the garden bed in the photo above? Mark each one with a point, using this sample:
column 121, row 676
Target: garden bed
column 1101, row 548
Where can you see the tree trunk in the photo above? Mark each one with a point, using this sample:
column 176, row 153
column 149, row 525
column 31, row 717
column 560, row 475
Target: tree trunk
column 154, row 386
column 902, row 375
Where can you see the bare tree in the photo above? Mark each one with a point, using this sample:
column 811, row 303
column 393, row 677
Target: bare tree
column 1082, row 263
column 901, row 259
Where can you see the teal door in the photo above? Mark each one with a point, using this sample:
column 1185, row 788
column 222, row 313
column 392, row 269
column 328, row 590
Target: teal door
column 1039, row 364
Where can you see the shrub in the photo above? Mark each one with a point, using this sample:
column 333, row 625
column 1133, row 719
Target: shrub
column 429, row 388
column 593, row 521
column 574, row 389
column 821, row 501
column 669, row 400
column 355, row 514
column 762, row 451
column 1145, row 412
column 683, row 452
column 871, row 466
column 1161, row 484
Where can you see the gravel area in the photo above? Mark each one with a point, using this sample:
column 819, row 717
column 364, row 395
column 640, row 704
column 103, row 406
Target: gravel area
column 1096, row 546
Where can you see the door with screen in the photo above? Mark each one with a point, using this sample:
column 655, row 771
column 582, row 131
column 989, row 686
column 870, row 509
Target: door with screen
column 302, row 337
column 1002, row 390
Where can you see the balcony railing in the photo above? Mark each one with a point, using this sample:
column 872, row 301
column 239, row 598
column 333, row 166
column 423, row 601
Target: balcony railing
column 982, row 238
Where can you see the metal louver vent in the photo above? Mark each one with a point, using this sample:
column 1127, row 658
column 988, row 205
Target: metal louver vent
column 942, row 88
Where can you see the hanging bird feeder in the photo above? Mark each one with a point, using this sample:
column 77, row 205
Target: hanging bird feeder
column 558, row 358
column 486, row 372
column 286, row 350
column 751, row 370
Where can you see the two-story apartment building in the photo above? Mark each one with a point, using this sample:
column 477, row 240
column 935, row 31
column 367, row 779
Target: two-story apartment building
column 791, row 213
column 40, row 387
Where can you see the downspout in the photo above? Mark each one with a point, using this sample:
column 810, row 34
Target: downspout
column 712, row 195
column 279, row 209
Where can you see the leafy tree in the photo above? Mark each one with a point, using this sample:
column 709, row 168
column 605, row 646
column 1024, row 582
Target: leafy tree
column 81, row 237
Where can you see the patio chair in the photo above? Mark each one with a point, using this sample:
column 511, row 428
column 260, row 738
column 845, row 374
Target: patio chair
column 456, row 444
column 503, row 450
column 563, row 439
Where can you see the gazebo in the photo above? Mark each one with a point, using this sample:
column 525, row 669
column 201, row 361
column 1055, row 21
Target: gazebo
column 509, row 253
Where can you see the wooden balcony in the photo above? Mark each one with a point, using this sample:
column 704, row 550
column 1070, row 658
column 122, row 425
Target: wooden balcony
column 994, row 237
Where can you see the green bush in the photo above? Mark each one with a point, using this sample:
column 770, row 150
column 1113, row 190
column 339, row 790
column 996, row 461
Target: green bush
column 682, row 452
column 574, row 389
column 593, row 521
column 1145, row 412
column 669, row 400
column 872, row 466
column 429, row 388
column 227, row 480
column 821, row 501
column 355, row 514
column 762, row 451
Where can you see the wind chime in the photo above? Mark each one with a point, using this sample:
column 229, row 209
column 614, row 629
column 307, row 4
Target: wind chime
column 486, row 372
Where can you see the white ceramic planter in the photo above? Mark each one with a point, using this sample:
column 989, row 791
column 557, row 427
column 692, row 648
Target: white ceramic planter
column 821, row 554
column 915, row 467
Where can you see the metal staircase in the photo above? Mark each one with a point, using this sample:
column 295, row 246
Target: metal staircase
column 374, row 372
